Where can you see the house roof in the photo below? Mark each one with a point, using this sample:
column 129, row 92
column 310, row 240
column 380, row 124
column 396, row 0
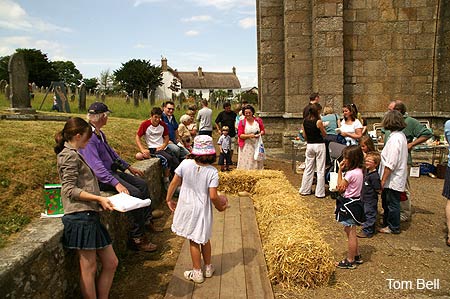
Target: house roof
column 209, row 80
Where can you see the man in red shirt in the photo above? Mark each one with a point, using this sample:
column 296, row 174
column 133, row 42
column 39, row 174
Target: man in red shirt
column 156, row 135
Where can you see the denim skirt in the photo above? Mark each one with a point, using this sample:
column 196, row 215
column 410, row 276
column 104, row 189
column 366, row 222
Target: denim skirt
column 446, row 190
column 83, row 230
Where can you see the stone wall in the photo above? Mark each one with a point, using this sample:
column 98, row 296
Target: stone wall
column 35, row 265
column 366, row 52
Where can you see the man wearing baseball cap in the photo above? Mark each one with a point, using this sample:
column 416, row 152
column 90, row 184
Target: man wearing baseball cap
column 109, row 169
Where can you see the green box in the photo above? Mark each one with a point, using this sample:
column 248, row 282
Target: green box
column 52, row 196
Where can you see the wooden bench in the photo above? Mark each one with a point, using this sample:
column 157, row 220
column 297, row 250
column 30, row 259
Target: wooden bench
column 237, row 255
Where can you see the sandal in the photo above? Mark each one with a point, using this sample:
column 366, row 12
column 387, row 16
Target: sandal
column 345, row 264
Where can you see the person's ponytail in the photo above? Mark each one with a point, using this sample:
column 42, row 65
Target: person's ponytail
column 59, row 139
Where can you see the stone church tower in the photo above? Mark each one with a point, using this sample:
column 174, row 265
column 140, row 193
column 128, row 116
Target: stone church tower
column 366, row 52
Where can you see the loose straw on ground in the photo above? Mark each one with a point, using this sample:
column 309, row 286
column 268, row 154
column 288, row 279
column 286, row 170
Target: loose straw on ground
column 295, row 251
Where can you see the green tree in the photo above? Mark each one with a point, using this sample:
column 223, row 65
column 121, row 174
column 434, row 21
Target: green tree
column 106, row 81
column 40, row 69
column 140, row 75
column 4, row 75
column 91, row 83
column 67, row 72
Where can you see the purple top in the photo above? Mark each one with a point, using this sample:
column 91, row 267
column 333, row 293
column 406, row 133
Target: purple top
column 100, row 156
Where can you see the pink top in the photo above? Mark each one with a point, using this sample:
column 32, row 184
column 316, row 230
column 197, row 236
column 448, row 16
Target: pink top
column 355, row 179
column 241, row 129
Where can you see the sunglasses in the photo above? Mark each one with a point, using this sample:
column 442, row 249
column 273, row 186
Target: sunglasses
column 170, row 109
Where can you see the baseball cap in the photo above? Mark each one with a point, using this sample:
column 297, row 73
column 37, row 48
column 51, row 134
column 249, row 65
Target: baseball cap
column 97, row 108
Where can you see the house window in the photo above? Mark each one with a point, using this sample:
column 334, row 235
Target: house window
column 211, row 91
column 230, row 93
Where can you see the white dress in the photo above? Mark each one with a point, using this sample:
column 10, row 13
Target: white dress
column 246, row 153
column 193, row 216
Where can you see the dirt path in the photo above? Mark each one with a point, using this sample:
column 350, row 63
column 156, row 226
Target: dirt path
column 396, row 266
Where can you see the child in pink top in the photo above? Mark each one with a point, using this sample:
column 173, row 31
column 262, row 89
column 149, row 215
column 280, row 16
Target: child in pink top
column 349, row 208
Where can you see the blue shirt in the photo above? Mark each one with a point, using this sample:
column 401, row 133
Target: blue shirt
column 172, row 126
column 447, row 136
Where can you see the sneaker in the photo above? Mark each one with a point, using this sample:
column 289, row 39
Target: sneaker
column 209, row 270
column 194, row 275
column 358, row 259
column 387, row 230
column 140, row 244
column 345, row 264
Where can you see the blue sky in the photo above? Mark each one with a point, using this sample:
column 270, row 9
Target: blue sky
column 102, row 34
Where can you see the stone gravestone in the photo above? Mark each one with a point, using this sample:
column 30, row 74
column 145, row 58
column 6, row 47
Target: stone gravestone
column 82, row 97
column 135, row 98
column 18, row 81
column 103, row 97
column 7, row 92
column 127, row 99
column 3, row 84
column 61, row 96
column 141, row 96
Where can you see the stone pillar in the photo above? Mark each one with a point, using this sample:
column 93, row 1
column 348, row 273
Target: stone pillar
column 270, row 42
column 82, row 97
column 18, row 81
column 328, row 52
column 298, row 68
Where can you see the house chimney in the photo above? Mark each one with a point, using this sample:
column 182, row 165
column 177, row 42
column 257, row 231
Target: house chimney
column 164, row 64
column 200, row 72
column 234, row 70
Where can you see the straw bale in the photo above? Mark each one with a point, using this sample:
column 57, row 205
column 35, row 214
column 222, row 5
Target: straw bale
column 295, row 251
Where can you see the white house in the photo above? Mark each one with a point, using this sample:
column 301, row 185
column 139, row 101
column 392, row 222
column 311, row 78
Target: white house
column 196, row 81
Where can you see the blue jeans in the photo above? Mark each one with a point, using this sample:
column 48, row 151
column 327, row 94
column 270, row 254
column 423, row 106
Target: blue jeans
column 390, row 200
column 137, row 187
column 370, row 210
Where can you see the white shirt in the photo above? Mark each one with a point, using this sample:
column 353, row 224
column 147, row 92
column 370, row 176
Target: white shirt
column 350, row 128
column 395, row 157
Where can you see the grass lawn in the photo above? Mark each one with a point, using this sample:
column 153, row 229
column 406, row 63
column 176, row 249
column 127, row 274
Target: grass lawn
column 28, row 161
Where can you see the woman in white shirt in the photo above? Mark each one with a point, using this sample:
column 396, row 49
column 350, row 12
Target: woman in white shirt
column 351, row 128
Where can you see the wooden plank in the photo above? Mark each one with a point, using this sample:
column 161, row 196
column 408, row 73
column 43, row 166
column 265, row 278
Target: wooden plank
column 179, row 287
column 256, row 276
column 233, row 272
column 210, row 288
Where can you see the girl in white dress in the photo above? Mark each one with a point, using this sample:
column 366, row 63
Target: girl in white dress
column 193, row 215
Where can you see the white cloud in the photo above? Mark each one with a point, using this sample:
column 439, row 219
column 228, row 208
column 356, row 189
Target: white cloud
column 139, row 2
column 203, row 18
column 13, row 16
column 247, row 23
column 11, row 43
column 192, row 33
column 142, row 46
column 226, row 4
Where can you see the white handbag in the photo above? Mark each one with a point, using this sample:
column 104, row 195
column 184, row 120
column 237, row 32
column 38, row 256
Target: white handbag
column 260, row 153
column 334, row 177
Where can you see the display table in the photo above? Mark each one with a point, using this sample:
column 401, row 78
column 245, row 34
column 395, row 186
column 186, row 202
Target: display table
column 297, row 147
column 438, row 151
